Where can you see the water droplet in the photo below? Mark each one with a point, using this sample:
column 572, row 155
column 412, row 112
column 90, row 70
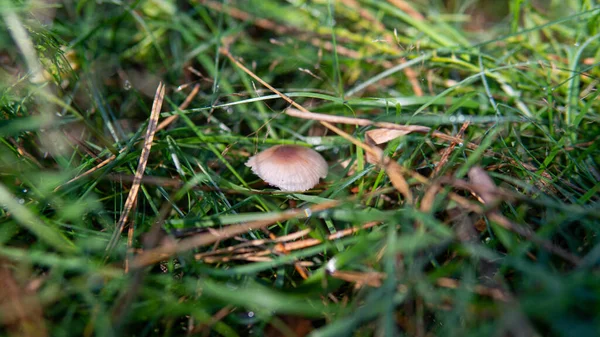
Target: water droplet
column 460, row 118
column 25, row 190
column 452, row 119
column 331, row 266
column 460, row 144
column 21, row 201
column 307, row 212
column 250, row 314
column 127, row 85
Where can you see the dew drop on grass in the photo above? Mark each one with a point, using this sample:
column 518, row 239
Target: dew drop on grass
column 127, row 85
column 231, row 285
column 307, row 212
column 331, row 267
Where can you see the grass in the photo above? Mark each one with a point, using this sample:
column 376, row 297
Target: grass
column 483, row 223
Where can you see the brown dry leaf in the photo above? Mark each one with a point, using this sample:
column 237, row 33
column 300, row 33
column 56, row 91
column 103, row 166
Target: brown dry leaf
column 394, row 172
column 371, row 279
column 392, row 168
column 352, row 169
column 429, row 197
column 480, row 225
column 381, row 136
column 21, row 310
column 483, row 185
column 371, row 158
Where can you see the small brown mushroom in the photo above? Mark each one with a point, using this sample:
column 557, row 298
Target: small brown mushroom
column 289, row 167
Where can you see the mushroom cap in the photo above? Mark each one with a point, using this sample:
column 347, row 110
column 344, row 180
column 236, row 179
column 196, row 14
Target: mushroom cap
column 289, row 167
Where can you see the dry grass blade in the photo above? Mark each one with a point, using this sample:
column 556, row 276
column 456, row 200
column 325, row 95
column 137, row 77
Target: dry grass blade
column 204, row 328
column 88, row 172
column 494, row 293
column 132, row 197
column 183, row 106
column 284, row 244
column 253, row 245
column 428, row 198
column 406, row 7
column 375, row 279
column 303, row 113
column 382, row 136
column 164, row 252
column 392, row 168
column 372, row 279
column 449, row 149
column 483, row 185
column 24, row 152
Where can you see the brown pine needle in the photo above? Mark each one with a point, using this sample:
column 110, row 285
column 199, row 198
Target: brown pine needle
column 164, row 252
column 132, row 197
column 449, row 149
column 184, row 105
column 88, row 172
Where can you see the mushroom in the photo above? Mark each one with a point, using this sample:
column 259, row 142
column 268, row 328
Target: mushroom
column 289, row 167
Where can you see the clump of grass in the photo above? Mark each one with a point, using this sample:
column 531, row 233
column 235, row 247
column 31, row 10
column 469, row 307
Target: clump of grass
column 462, row 197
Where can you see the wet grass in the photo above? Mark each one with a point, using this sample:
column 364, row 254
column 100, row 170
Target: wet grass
column 495, row 231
